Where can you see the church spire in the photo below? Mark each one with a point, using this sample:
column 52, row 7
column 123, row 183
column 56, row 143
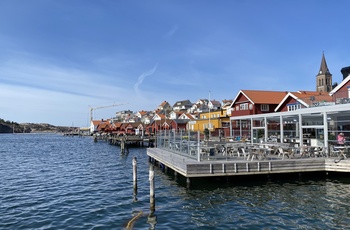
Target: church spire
column 323, row 68
column 324, row 77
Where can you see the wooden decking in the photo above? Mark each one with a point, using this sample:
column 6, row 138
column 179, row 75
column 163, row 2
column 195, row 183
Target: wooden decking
column 191, row 168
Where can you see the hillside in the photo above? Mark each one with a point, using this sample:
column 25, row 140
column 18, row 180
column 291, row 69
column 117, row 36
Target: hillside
column 14, row 127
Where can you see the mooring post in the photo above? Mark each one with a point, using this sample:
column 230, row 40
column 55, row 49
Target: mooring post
column 152, row 220
column 151, row 188
column 188, row 182
column 134, row 170
column 198, row 147
column 122, row 145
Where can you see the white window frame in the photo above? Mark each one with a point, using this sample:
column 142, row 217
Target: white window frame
column 264, row 107
column 243, row 106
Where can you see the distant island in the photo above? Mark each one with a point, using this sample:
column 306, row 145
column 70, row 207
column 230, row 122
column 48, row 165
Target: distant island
column 14, row 127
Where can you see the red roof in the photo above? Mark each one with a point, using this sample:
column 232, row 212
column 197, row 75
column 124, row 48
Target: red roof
column 263, row 97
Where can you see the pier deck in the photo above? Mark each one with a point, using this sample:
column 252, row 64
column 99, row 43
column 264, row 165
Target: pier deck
column 191, row 168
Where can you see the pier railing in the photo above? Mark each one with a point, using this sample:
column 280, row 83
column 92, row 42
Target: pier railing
column 196, row 146
column 182, row 142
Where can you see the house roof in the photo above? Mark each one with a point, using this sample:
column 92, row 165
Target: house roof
column 117, row 124
column 162, row 116
column 305, row 97
column 346, row 80
column 180, row 121
column 163, row 103
column 201, row 101
column 142, row 112
column 96, row 122
column 182, row 103
column 103, row 125
column 226, row 103
column 188, row 115
column 262, row 97
column 215, row 103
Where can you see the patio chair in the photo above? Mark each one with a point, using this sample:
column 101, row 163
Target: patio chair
column 245, row 153
column 282, row 152
column 334, row 152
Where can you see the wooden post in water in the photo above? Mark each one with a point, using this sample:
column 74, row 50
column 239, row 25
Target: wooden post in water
column 151, row 189
column 188, row 182
column 122, row 145
column 198, row 147
column 134, row 170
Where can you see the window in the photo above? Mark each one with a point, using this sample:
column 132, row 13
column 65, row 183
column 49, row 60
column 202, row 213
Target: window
column 243, row 106
column 264, row 107
column 292, row 107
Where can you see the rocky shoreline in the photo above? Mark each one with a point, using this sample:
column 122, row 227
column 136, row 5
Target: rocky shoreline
column 13, row 127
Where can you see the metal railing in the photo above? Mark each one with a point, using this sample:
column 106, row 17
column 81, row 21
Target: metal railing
column 196, row 146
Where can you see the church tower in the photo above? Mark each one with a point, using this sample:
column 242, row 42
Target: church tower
column 324, row 77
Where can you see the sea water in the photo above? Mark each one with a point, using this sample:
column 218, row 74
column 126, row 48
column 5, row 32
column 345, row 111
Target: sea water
column 50, row 181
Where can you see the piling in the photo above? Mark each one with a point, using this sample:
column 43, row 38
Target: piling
column 122, row 145
column 188, row 182
column 151, row 188
column 134, row 170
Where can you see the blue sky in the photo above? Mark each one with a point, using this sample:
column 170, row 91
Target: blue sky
column 60, row 57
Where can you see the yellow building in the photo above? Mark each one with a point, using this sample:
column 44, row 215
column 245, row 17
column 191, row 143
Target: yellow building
column 212, row 120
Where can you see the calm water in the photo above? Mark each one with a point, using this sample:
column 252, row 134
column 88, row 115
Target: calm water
column 55, row 182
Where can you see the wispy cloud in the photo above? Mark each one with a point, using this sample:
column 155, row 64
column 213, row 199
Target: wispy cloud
column 143, row 76
column 46, row 76
column 171, row 32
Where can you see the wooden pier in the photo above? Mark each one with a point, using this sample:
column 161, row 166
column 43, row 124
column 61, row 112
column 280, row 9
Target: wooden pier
column 137, row 141
column 191, row 168
column 126, row 141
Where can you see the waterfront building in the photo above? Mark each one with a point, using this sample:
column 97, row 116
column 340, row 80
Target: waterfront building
column 249, row 102
column 213, row 120
column 341, row 93
column 93, row 125
column 179, row 124
column 313, row 126
column 303, row 99
column 302, row 118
